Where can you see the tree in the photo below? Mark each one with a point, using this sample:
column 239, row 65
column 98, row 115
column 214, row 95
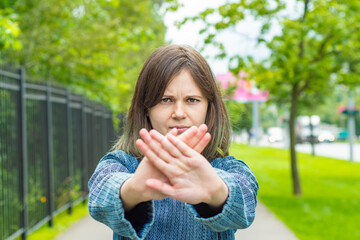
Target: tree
column 240, row 115
column 9, row 30
column 95, row 47
column 310, row 47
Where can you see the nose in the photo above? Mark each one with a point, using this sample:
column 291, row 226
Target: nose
column 179, row 110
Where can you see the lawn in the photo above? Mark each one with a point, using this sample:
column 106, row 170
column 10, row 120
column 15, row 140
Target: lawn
column 330, row 205
column 62, row 222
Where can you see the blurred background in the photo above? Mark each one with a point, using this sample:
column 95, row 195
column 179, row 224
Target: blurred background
column 289, row 71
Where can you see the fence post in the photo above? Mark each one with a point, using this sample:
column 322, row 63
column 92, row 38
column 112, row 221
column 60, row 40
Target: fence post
column 103, row 131
column 84, row 145
column 70, row 150
column 24, row 155
column 49, row 127
column 94, row 138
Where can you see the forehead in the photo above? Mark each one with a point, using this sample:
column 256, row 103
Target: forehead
column 184, row 82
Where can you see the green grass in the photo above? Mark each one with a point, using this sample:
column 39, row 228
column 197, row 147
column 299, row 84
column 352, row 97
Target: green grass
column 329, row 207
column 62, row 222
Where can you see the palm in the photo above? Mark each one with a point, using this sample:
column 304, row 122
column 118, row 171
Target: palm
column 146, row 170
column 191, row 183
column 191, row 177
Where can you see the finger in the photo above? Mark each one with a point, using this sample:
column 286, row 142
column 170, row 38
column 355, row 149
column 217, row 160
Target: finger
column 198, row 137
column 173, row 132
column 143, row 147
column 170, row 153
column 155, row 145
column 166, row 144
column 150, row 155
column 184, row 149
column 192, row 140
column 167, row 169
column 160, row 186
column 145, row 135
column 188, row 135
column 203, row 143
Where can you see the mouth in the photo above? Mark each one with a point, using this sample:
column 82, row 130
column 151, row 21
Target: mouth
column 180, row 129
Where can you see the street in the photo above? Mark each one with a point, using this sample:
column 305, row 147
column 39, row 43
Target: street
column 334, row 150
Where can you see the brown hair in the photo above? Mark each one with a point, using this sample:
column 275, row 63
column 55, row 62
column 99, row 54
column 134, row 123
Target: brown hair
column 161, row 67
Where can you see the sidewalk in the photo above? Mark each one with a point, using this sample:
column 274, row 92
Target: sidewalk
column 266, row 226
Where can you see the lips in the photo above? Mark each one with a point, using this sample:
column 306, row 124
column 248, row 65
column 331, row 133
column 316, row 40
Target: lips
column 180, row 129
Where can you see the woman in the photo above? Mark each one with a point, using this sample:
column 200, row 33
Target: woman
column 170, row 176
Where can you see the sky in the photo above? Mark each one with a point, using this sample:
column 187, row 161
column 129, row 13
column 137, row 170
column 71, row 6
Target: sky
column 241, row 40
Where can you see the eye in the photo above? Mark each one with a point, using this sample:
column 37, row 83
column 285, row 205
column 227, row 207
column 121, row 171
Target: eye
column 166, row 100
column 193, row 100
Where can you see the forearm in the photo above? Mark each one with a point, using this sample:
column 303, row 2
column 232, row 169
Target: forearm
column 238, row 211
column 105, row 204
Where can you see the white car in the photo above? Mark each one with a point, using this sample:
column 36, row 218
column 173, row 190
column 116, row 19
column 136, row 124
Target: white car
column 326, row 136
column 275, row 134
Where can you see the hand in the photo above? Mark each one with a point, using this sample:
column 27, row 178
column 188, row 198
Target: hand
column 135, row 190
column 196, row 138
column 191, row 177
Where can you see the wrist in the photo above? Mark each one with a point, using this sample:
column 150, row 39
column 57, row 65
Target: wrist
column 128, row 195
column 218, row 195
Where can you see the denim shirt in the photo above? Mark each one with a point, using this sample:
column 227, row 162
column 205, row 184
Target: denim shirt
column 169, row 218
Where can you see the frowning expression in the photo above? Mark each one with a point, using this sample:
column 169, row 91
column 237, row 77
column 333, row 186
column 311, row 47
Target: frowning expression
column 183, row 105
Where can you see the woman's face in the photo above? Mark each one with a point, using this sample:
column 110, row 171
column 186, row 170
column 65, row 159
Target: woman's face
column 182, row 106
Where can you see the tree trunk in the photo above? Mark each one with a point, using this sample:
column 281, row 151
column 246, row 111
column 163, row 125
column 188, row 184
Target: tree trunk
column 292, row 120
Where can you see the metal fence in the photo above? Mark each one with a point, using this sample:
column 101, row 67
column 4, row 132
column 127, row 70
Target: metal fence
column 50, row 143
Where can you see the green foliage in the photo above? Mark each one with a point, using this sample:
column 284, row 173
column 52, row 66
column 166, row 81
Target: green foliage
column 301, row 59
column 95, row 47
column 270, row 116
column 240, row 115
column 317, row 39
column 314, row 43
column 9, row 30
column 331, row 192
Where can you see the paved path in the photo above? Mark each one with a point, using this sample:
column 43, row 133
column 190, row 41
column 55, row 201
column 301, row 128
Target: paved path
column 266, row 226
column 87, row 229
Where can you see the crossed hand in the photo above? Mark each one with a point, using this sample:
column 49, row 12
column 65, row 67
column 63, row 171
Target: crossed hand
column 173, row 167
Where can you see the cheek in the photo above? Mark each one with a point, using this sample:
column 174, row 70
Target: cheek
column 157, row 120
column 154, row 119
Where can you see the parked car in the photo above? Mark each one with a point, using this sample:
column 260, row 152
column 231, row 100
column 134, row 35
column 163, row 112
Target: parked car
column 326, row 136
column 275, row 134
column 306, row 136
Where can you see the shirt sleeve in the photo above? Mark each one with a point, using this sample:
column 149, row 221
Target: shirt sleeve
column 238, row 211
column 104, row 197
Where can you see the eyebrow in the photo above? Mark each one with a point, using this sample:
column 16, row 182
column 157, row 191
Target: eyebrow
column 194, row 96
column 188, row 96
